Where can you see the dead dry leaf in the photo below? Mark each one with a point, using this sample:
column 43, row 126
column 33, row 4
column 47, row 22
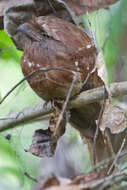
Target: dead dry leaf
column 84, row 182
column 51, row 182
column 113, row 118
column 53, row 121
column 42, row 144
column 45, row 141
column 102, row 71
column 80, row 7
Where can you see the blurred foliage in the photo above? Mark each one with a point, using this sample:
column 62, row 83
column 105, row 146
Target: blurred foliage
column 110, row 27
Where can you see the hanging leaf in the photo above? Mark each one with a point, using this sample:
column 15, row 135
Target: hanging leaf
column 42, row 143
column 114, row 119
column 45, row 141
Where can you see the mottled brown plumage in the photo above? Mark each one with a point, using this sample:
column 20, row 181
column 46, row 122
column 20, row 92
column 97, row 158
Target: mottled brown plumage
column 54, row 43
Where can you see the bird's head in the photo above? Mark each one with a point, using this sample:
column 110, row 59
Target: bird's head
column 31, row 30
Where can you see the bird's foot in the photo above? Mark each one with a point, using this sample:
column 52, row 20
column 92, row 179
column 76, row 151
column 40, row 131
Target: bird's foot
column 48, row 104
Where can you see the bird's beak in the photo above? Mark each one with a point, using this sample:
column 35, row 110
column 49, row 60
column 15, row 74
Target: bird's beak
column 24, row 28
column 29, row 31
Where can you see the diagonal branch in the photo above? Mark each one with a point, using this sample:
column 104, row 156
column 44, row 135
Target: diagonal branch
column 94, row 95
column 86, row 97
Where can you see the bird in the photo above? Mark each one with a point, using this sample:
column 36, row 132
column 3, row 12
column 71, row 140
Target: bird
column 52, row 42
column 63, row 48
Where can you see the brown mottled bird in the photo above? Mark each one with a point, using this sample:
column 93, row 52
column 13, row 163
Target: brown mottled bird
column 54, row 43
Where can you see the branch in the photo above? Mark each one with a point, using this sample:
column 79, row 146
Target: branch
column 111, row 180
column 86, row 97
column 23, row 116
column 91, row 96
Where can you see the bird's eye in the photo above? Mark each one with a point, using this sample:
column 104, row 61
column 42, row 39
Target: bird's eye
column 46, row 35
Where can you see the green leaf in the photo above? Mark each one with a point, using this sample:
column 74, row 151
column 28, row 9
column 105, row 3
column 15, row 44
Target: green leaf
column 8, row 49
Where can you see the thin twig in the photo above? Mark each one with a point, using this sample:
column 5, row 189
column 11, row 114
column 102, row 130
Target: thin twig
column 98, row 124
column 31, row 74
column 117, row 155
column 65, row 103
column 30, row 177
column 111, row 180
column 103, row 164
